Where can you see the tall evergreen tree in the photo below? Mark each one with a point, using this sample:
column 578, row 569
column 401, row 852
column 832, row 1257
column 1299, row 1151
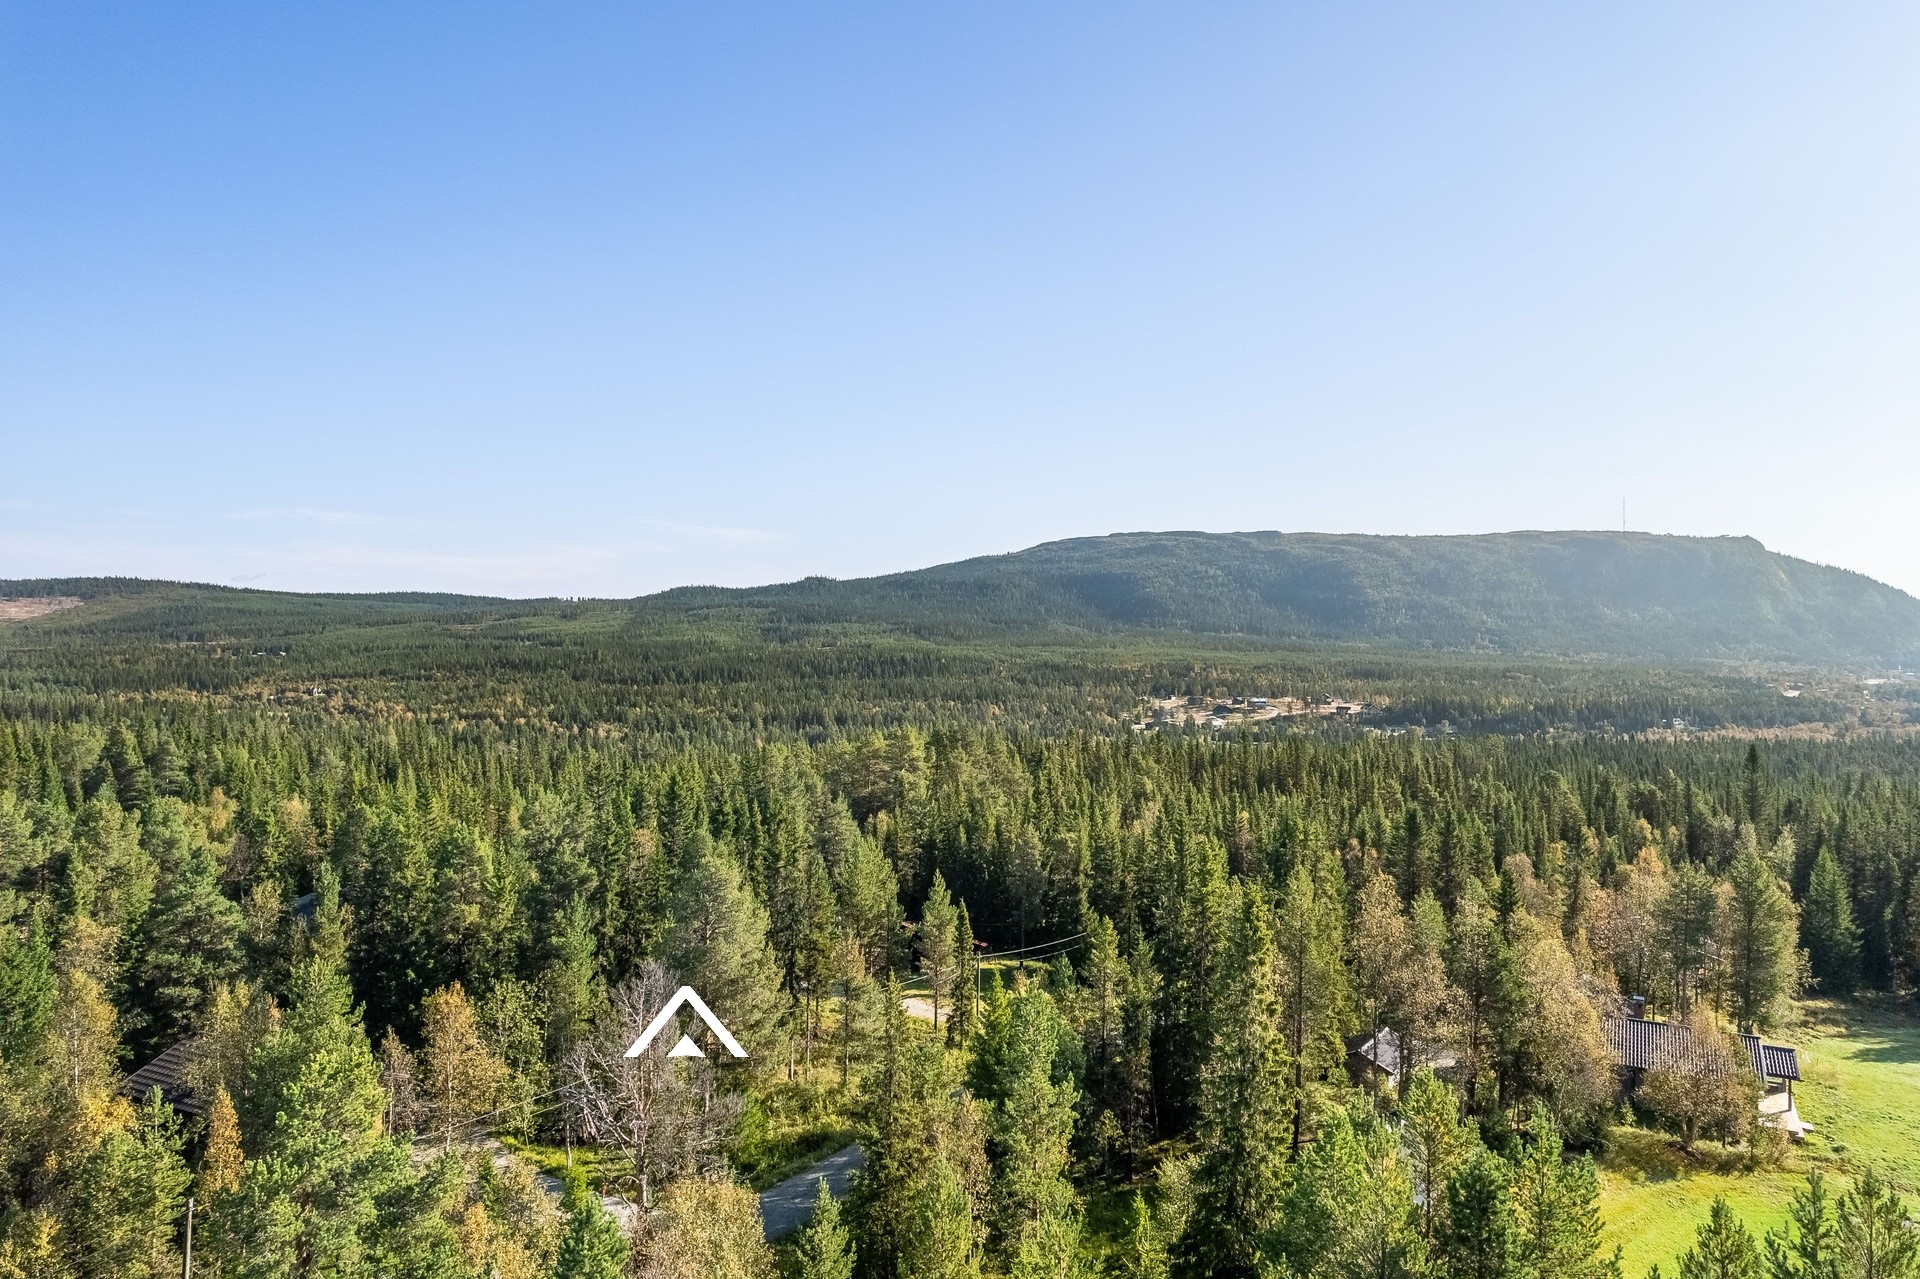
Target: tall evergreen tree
column 1827, row 929
column 1760, row 942
column 1308, row 927
column 935, row 940
column 1556, row 1203
column 962, row 996
column 718, row 945
column 1245, row 1109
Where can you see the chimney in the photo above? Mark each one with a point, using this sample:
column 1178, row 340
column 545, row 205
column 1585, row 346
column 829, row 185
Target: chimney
column 1637, row 1008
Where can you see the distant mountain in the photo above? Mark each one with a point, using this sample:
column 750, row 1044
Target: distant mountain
column 1631, row 595
column 1567, row 593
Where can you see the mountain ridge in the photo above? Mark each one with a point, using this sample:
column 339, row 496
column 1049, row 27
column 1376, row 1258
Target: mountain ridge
column 1542, row 592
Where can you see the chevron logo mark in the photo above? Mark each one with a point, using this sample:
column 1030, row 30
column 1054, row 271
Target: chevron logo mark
column 685, row 998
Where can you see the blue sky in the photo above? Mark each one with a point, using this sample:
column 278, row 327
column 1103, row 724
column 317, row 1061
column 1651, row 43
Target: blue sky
column 568, row 299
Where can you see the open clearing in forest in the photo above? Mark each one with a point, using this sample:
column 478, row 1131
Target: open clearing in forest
column 19, row 610
column 1861, row 1091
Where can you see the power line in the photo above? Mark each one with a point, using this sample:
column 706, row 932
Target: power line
column 1021, row 950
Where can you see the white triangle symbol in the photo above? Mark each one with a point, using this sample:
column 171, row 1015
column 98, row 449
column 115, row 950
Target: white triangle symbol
column 686, row 1047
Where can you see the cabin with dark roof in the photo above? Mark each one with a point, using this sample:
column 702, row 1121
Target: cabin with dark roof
column 1639, row 1042
column 168, row 1073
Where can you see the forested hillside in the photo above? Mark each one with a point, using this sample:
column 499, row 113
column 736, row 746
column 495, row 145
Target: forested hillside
column 1621, row 594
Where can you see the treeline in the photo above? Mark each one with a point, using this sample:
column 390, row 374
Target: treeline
column 387, row 939
column 723, row 677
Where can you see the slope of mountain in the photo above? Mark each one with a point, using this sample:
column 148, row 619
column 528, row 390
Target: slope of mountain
column 1620, row 594
column 1629, row 595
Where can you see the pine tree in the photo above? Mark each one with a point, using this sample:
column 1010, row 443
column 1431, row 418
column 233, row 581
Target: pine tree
column 321, row 1163
column 1244, row 1102
column 1478, row 1237
column 937, row 1238
column 1722, row 1248
column 1556, row 1202
column 1350, row 1209
column 128, row 1198
column 1760, row 943
column 593, row 1246
column 718, row 945
column 1827, row 929
column 1436, row 1142
column 825, row 1251
column 1809, row 1246
column 1875, row 1240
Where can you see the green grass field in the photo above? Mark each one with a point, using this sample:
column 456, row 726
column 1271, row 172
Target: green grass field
column 1861, row 1091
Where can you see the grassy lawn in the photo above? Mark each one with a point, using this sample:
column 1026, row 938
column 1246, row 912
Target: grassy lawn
column 1861, row 1092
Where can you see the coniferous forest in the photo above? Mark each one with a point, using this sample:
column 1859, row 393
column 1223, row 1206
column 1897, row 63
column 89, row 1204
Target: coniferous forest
column 377, row 894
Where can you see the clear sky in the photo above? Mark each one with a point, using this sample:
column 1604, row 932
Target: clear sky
column 569, row 299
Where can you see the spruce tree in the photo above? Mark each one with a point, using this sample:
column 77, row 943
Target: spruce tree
column 188, row 940
column 935, row 941
column 1760, row 945
column 1245, row 1110
column 27, row 988
column 1827, row 929
column 1308, row 927
column 962, row 997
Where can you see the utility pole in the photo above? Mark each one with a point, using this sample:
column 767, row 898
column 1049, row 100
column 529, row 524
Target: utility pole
column 187, row 1270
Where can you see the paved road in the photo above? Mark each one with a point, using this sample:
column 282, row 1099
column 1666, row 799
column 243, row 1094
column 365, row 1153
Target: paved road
column 789, row 1205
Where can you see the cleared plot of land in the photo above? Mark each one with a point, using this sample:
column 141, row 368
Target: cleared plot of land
column 1861, row 1091
column 19, row 610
